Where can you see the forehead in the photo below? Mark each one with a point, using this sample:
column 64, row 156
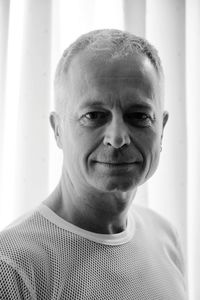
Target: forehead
column 93, row 75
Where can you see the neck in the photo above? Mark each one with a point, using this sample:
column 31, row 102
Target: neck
column 92, row 210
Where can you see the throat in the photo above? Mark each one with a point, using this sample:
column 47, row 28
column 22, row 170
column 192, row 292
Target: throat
column 102, row 226
column 105, row 214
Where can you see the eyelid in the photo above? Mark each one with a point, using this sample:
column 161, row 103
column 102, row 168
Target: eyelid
column 100, row 120
column 106, row 113
column 95, row 111
column 150, row 114
column 148, row 121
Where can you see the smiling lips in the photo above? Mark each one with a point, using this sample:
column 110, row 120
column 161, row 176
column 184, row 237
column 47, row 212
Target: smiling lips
column 119, row 167
column 116, row 163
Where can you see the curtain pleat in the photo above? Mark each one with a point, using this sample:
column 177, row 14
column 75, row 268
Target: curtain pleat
column 4, row 23
column 25, row 165
column 13, row 21
column 193, row 145
column 165, row 28
column 34, row 105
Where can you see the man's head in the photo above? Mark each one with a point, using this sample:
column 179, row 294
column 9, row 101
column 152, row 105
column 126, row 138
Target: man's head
column 115, row 43
column 109, row 116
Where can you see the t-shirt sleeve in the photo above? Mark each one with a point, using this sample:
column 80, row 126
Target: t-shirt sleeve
column 12, row 286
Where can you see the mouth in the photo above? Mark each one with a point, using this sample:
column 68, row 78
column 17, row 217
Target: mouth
column 116, row 165
column 116, row 162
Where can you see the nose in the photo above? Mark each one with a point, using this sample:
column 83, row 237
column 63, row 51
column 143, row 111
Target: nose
column 116, row 133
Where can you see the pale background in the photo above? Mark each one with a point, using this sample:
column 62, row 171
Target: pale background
column 33, row 35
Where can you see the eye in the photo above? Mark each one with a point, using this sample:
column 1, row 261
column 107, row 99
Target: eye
column 94, row 118
column 140, row 119
column 95, row 115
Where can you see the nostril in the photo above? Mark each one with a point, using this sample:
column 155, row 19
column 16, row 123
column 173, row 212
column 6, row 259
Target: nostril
column 117, row 142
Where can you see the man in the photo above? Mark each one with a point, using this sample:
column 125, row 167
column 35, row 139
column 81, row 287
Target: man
column 84, row 241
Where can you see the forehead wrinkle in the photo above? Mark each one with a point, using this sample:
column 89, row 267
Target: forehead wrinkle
column 107, row 86
column 88, row 60
column 99, row 101
column 119, row 101
column 134, row 84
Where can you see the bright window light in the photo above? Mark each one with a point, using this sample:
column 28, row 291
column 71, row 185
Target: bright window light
column 12, row 93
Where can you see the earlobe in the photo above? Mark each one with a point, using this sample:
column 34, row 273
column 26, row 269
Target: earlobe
column 165, row 119
column 56, row 124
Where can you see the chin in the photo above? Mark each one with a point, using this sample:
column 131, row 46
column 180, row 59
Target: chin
column 114, row 185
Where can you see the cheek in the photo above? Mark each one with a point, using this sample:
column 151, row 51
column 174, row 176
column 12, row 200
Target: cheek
column 152, row 152
column 78, row 144
column 148, row 144
column 148, row 140
column 154, row 141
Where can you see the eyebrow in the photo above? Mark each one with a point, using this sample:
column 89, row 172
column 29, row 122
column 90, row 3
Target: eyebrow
column 139, row 105
column 90, row 103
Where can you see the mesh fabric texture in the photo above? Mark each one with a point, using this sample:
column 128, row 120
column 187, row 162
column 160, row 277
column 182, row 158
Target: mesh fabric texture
column 44, row 257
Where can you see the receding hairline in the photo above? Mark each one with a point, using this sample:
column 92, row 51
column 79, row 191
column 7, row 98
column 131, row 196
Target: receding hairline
column 115, row 43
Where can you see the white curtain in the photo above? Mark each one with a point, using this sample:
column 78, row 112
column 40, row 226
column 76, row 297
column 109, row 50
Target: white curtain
column 33, row 35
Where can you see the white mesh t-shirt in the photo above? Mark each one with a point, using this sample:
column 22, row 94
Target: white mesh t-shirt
column 44, row 257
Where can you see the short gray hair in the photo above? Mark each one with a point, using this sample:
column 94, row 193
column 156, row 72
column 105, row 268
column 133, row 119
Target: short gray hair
column 116, row 42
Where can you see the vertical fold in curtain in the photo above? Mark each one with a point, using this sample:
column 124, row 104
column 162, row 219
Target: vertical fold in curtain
column 165, row 28
column 34, row 104
column 26, row 27
column 4, row 24
column 12, row 36
column 135, row 16
column 193, row 130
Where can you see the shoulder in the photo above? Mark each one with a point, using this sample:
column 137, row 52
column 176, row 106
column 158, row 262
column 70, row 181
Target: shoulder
column 19, row 244
column 160, row 232
column 17, row 255
column 153, row 221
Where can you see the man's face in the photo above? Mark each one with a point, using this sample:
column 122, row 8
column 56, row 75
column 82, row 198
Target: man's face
column 112, row 131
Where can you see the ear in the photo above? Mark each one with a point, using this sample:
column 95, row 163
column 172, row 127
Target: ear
column 165, row 119
column 55, row 122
